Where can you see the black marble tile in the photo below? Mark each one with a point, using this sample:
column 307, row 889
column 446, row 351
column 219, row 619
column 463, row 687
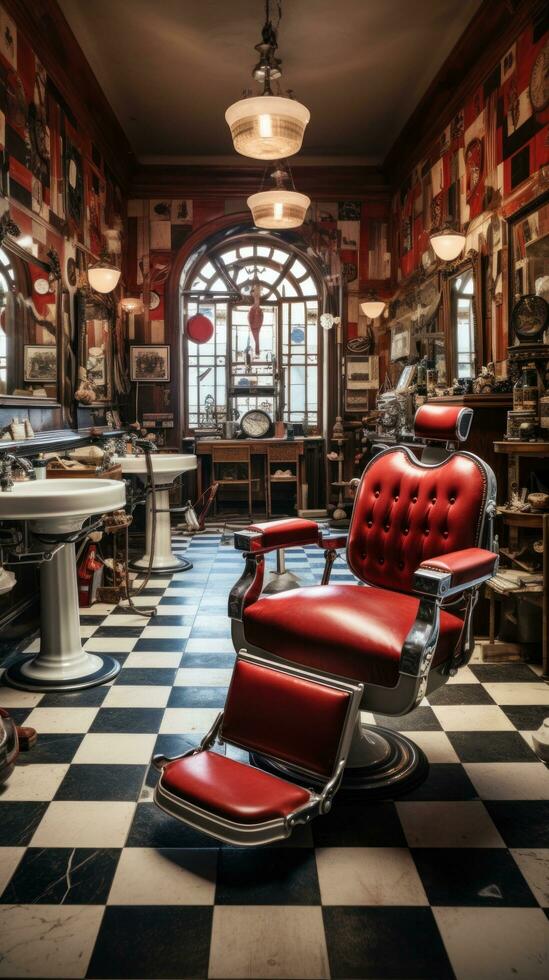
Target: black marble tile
column 423, row 719
column 527, row 718
column 138, row 721
column 51, row 748
column 211, row 631
column 503, row 673
column 445, row 781
column 19, row 715
column 101, row 782
column 521, row 823
column 478, row 877
column 491, row 747
column 359, row 824
column 218, row 660
column 18, row 822
column 461, row 694
column 160, row 645
column 116, row 632
column 153, row 941
column 385, row 944
column 152, row 827
column 197, row 697
column 51, row 875
column 90, row 697
column 163, row 676
column 267, row 876
column 173, row 620
column 179, row 600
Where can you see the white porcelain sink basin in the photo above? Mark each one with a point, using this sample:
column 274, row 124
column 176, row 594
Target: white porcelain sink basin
column 166, row 466
column 57, row 508
column 54, row 500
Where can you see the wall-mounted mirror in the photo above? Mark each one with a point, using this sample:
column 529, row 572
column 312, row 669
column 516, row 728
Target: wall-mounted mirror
column 529, row 247
column 463, row 305
column 29, row 348
column 95, row 319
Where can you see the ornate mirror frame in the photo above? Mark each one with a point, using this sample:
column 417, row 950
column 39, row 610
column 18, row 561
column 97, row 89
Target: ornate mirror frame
column 472, row 262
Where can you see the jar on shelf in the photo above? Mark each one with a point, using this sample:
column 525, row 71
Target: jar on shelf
column 525, row 391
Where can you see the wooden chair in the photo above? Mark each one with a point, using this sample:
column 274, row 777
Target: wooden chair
column 237, row 455
column 278, row 458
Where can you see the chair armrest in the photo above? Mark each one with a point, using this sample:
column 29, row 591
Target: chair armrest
column 289, row 532
column 332, row 540
column 455, row 572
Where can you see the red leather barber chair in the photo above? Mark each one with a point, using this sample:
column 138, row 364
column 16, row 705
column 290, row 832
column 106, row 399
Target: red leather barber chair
column 420, row 542
column 291, row 717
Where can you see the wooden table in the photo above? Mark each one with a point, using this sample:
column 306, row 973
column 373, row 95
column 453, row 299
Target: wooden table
column 310, row 456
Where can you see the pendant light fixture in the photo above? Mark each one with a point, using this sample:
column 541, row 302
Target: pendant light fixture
column 448, row 242
column 281, row 207
column 267, row 126
column 372, row 306
column 103, row 276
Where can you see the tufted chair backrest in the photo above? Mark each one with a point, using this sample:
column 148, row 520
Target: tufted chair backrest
column 406, row 512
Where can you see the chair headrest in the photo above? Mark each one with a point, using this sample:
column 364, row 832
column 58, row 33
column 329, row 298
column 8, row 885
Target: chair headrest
column 443, row 423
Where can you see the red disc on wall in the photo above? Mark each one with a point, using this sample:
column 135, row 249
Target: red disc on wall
column 200, row 329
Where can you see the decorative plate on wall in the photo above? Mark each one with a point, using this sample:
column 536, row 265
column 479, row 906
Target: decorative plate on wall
column 539, row 80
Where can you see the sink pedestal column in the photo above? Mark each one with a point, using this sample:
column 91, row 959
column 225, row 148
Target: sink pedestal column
column 62, row 664
column 164, row 559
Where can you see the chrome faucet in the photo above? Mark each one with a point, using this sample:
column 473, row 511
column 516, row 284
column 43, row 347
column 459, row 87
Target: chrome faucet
column 7, row 462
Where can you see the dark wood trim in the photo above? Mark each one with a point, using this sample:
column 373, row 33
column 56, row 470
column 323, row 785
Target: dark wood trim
column 485, row 40
column 47, row 31
column 216, row 181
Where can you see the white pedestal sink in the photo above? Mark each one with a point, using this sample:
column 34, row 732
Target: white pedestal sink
column 54, row 507
column 166, row 468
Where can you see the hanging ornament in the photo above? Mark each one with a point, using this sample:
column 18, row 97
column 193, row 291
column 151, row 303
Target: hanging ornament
column 255, row 314
column 200, row 328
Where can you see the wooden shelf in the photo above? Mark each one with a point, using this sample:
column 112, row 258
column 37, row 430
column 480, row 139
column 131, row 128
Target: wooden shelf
column 517, row 518
column 517, row 448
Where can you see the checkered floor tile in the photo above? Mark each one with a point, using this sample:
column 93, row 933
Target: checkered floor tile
column 95, row 881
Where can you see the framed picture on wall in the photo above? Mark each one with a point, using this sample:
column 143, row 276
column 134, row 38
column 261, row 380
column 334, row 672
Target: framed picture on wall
column 40, row 362
column 362, row 373
column 400, row 343
column 150, row 362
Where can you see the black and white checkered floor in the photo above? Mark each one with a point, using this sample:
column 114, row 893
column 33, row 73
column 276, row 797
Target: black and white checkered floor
column 451, row 881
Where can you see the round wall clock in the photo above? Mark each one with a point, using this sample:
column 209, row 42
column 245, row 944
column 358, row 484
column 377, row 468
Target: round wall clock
column 256, row 424
column 530, row 317
column 539, row 80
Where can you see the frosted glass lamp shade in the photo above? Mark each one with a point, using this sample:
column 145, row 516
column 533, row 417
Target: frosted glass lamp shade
column 278, row 208
column 267, row 127
column 448, row 244
column 327, row 321
column 372, row 308
column 103, row 276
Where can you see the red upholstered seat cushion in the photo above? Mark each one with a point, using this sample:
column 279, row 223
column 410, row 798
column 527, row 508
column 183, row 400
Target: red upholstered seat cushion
column 350, row 630
column 232, row 789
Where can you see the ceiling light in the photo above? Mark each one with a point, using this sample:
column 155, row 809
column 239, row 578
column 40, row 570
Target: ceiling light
column 267, row 126
column 279, row 207
column 448, row 243
column 103, row 276
column 372, row 306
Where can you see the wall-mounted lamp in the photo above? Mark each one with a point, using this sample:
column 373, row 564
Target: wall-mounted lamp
column 132, row 304
column 103, row 276
column 448, row 242
column 373, row 306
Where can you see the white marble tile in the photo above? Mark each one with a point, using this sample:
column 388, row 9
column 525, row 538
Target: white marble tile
column 137, row 696
column 84, row 824
column 190, row 592
column 368, row 876
column 509, row 780
column 61, row 721
column 436, row 745
column 9, row 859
column 534, row 865
column 47, row 940
column 142, row 658
column 115, row 749
column 98, row 609
column 110, row 644
column 456, row 823
column 472, row 718
column 176, row 610
column 87, row 631
column 464, row 676
column 146, row 876
column 267, row 943
column 209, row 645
column 11, row 698
column 166, row 632
column 126, row 619
column 198, row 677
column 154, row 582
column 142, row 600
column 33, row 782
column 179, row 720
column 520, row 694
column 502, row 943
column 33, row 647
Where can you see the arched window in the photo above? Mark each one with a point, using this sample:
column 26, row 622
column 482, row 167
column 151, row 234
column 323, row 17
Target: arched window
column 7, row 280
column 226, row 377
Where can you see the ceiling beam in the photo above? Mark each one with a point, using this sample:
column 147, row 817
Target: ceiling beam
column 490, row 33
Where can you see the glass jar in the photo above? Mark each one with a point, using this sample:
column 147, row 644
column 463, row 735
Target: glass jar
column 525, row 391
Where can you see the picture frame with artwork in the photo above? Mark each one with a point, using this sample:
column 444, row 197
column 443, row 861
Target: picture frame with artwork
column 150, row 362
column 362, row 373
column 40, row 363
column 400, row 343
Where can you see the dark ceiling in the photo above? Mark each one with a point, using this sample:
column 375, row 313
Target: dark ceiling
column 171, row 67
